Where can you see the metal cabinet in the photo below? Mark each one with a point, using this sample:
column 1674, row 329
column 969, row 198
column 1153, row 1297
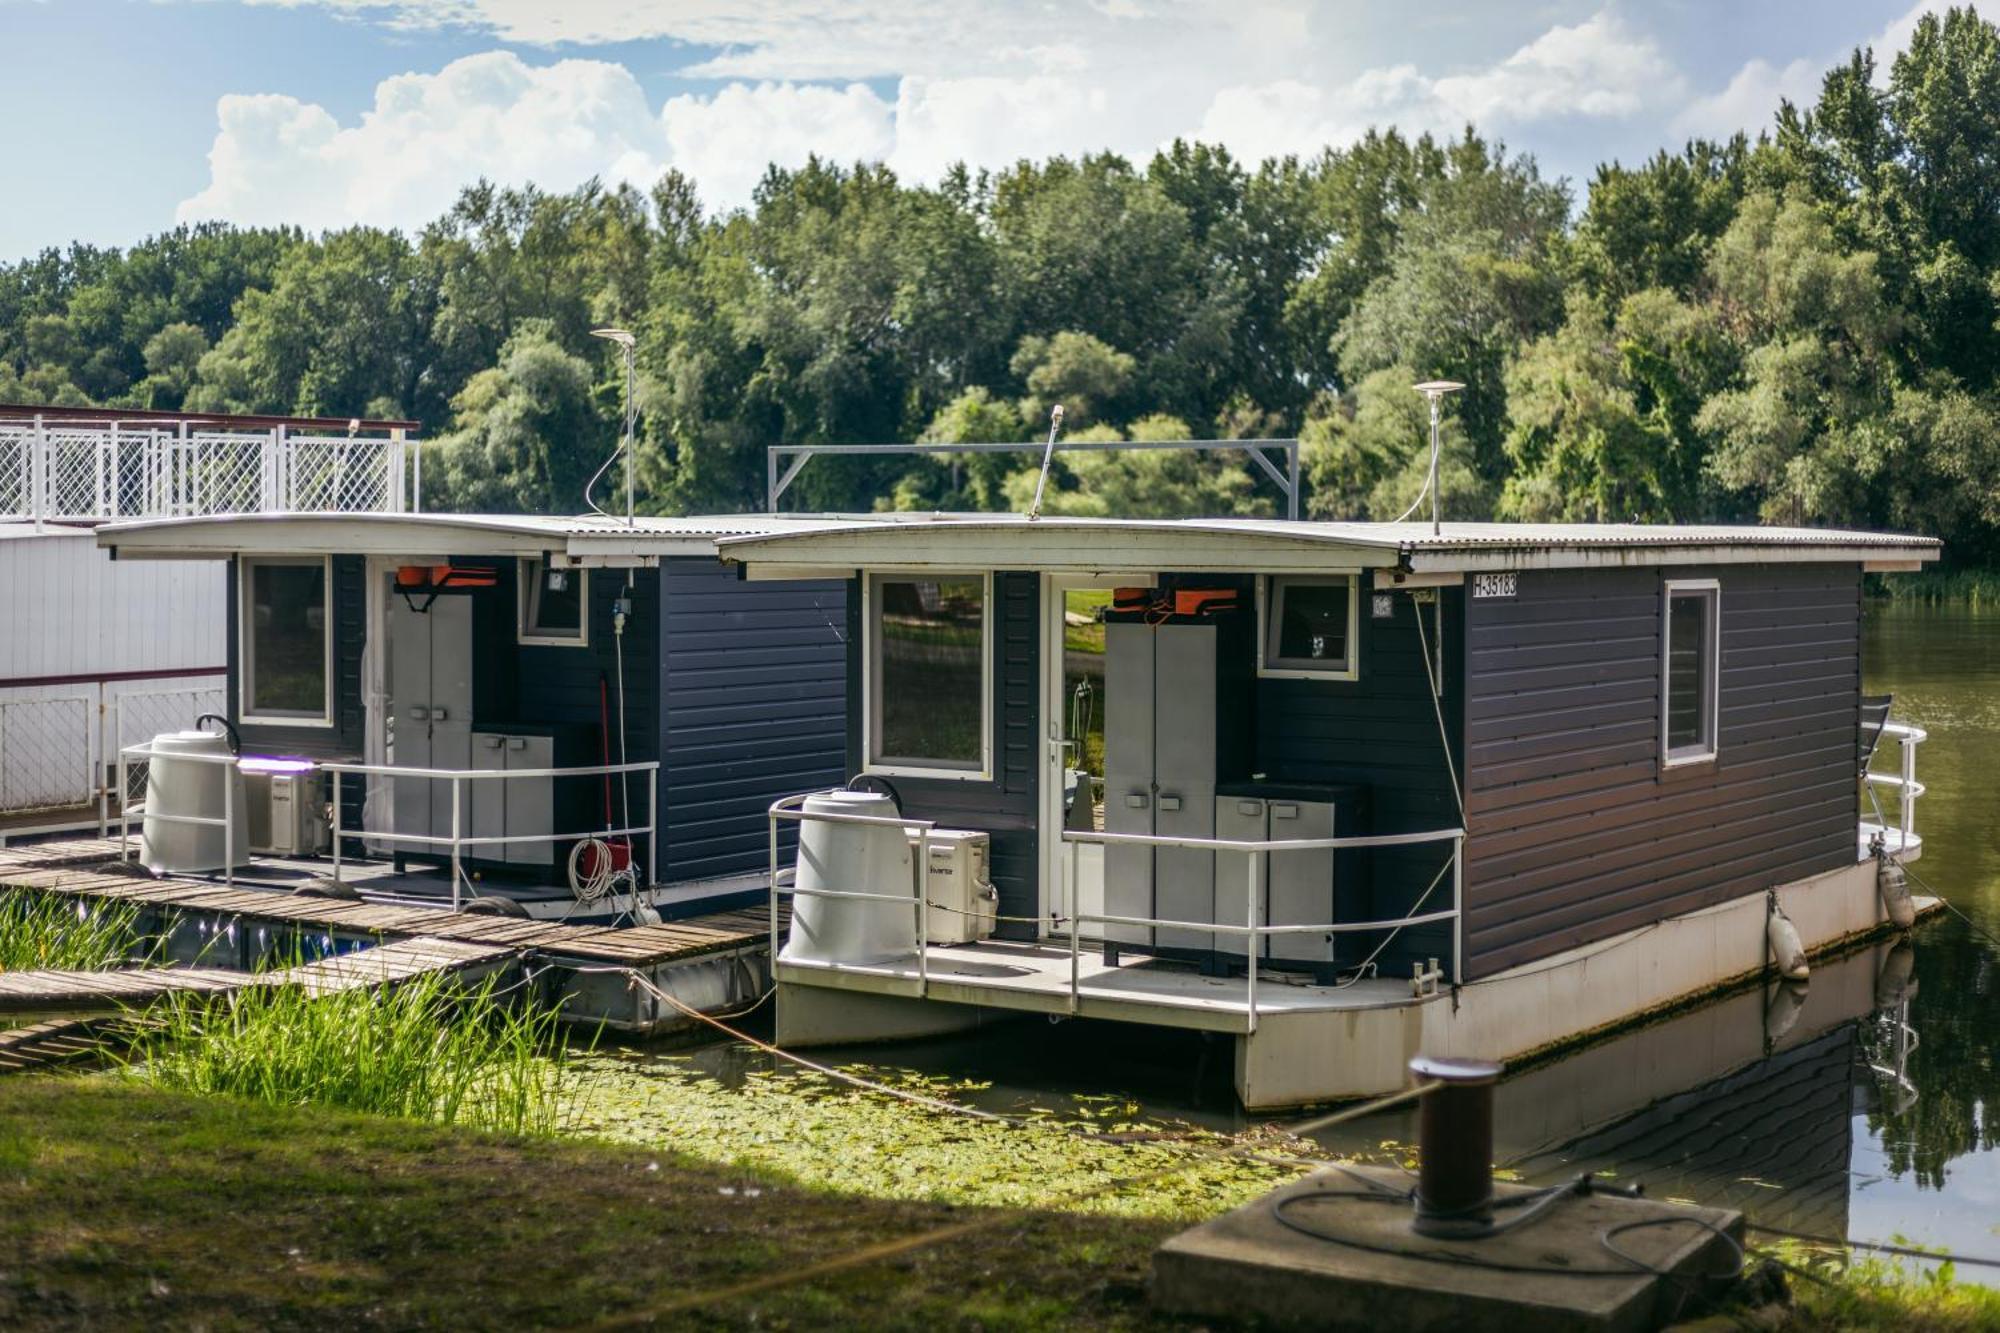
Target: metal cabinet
column 513, row 807
column 430, row 687
column 1295, row 888
column 1159, row 778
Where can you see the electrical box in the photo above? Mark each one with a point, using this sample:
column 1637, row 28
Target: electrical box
column 958, row 886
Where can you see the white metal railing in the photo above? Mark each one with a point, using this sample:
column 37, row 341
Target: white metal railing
column 790, row 810
column 1256, row 852
column 1903, row 782
column 59, row 470
column 457, row 840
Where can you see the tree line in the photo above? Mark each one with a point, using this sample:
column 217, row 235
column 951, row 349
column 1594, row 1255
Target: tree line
column 1800, row 328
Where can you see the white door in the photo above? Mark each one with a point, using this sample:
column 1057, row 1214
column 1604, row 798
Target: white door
column 1073, row 713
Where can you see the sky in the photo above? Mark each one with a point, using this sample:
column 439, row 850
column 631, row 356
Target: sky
column 127, row 117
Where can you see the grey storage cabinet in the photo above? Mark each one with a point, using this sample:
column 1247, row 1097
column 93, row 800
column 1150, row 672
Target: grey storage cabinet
column 1297, row 888
column 513, row 807
column 430, row 689
column 1159, row 779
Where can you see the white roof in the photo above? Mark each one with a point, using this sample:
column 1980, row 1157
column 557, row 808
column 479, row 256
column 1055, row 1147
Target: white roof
column 1094, row 545
column 797, row 545
column 582, row 539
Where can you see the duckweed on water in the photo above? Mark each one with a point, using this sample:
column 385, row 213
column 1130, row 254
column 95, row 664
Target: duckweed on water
column 42, row 931
column 834, row 1137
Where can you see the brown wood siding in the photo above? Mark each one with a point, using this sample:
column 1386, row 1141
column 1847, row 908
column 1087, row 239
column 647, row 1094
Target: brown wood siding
column 1576, row 830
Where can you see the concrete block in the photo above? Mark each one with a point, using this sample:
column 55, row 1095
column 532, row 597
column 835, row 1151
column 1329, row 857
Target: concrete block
column 1554, row 1273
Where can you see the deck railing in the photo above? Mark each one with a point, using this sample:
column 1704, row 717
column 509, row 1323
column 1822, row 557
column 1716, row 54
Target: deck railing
column 57, row 471
column 457, row 839
column 1904, row 783
column 784, row 881
column 1255, row 852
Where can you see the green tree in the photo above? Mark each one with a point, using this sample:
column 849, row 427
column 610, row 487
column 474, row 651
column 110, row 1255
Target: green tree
column 1084, row 375
column 1366, row 455
column 526, row 433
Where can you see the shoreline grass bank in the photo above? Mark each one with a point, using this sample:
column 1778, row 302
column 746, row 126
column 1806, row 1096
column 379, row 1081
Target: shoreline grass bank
column 124, row 1205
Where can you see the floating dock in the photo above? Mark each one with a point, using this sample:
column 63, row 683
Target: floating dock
column 715, row 962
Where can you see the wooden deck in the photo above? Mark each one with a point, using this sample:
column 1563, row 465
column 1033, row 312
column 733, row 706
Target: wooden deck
column 75, row 868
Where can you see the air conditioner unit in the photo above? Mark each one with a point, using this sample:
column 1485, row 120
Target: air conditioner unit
column 287, row 813
column 958, row 885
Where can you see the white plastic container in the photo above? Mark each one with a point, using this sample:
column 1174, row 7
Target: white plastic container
column 853, row 858
column 192, row 787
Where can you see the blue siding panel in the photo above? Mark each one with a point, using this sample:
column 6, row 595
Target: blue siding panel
column 754, row 682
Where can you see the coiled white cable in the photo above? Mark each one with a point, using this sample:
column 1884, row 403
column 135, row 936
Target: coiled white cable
column 592, row 886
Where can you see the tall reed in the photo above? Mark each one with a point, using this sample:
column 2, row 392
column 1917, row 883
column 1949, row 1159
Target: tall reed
column 42, row 931
column 426, row 1048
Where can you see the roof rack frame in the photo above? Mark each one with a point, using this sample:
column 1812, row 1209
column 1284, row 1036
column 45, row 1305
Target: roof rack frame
column 784, row 462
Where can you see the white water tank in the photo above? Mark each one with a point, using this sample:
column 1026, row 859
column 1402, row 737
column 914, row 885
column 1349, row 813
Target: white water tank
column 176, row 786
column 853, row 858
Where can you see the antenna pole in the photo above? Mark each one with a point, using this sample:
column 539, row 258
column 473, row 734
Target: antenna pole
column 631, row 351
column 1048, row 457
column 1434, row 391
column 1436, row 527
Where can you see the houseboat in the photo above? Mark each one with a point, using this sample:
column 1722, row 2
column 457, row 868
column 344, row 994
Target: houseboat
column 95, row 649
column 1339, row 791
column 644, row 704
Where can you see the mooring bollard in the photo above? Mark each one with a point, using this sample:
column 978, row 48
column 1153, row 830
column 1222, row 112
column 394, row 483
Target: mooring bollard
column 1455, row 1147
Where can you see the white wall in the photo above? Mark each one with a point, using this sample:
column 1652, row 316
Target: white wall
column 68, row 609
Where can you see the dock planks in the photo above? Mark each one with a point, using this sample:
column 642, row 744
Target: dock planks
column 76, row 868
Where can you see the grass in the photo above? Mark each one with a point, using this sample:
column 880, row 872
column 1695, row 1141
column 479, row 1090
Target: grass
column 40, row 931
column 124, row 1205
column 424, row 1048
column 1973, row 587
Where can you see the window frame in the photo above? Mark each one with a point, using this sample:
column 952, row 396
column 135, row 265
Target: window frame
column 1270, row 589
column 871, row 677
column 527, row 597
column 1709, row 747
column 245, row 650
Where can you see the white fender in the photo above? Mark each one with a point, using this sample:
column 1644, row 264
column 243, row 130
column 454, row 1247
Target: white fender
column 1893, row 883
column 1786, row 949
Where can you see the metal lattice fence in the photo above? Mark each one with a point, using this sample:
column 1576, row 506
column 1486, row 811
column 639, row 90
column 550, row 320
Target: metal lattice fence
column 139, row 716
column 45, row 749
column 70, row 472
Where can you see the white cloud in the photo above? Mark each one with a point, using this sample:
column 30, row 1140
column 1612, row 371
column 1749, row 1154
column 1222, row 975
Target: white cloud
column 1598, row 68
column 1750, row 100
column 985, row 84
column 725, row 141
column 277, row 159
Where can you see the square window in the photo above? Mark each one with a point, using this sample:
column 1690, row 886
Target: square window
column 1309, row 627
column 553, row 603
column 1690, row 671
column 287, row 639
column 928, row 677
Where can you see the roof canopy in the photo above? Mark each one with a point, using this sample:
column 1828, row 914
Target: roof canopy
column 796, row 546
column 589, row 539
column 1271, row 546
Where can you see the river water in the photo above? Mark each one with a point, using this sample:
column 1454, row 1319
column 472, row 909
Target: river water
column 1863, row 1106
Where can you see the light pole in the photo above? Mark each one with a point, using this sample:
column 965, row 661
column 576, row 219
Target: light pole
column 1435, row 390
column 631, row 345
